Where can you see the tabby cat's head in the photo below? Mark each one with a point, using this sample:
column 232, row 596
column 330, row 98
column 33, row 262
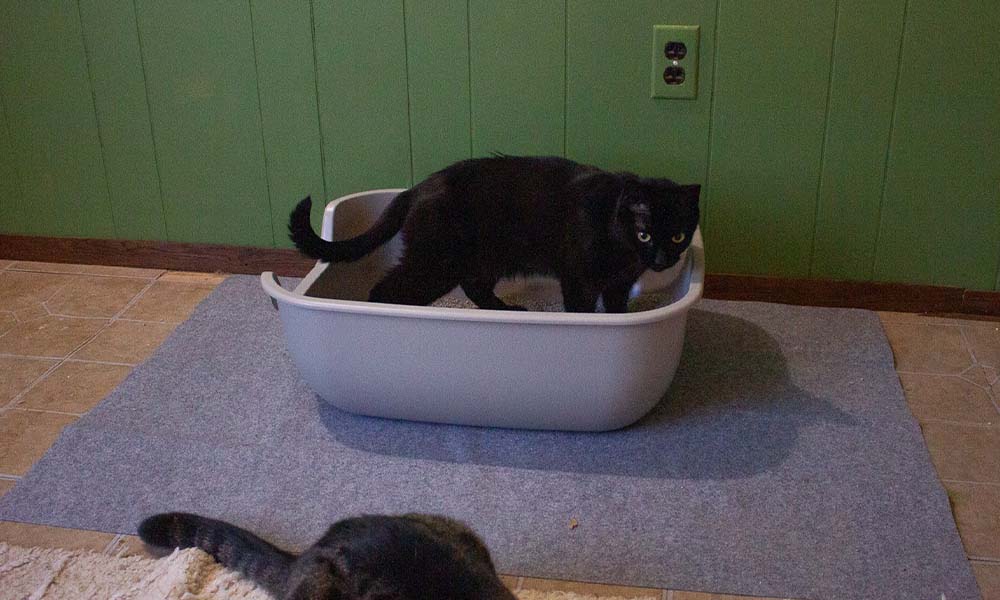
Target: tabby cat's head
column 659, row 218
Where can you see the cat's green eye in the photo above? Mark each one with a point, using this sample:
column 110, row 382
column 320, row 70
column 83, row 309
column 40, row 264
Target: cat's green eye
column 644, row 237
column 678, row 238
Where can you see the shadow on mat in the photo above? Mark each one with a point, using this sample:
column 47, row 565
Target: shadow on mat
column 731, row 412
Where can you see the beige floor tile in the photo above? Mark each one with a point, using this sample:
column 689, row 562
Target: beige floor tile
column 44, row 267
column 50, row 336
column 7, row 321
column 192, row 277
column 21, row 291
column 18, row 373
column 125, row 342
column 6, row 485
column 170, row 301
column 25, row 436
column 91, row 296
column 28, row 535
column 988, row 577
column 964, row 452
column 35, row 311
column 984, row 339
column 979, row 375
column 594, row 589
column 927, row 348
column 949, row 398
column 903, row 317
column 74, row 387
column 977, row 513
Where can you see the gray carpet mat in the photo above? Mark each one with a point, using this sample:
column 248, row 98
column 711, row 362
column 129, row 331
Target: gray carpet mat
column 784, row 462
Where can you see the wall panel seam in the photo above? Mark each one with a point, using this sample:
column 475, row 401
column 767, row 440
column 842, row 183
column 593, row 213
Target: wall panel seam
column 711, row 117
column 468, row 44
column 565, row 39
column 97, row 120
column 406, row 75
column 260, row 123
column 319, row 114
column 888, row 146
column 152, row 128
column 826, row 133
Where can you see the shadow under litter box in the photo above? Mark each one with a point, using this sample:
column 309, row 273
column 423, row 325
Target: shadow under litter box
column 731, row 412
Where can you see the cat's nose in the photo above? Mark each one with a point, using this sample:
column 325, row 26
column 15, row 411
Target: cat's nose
column 663, row 261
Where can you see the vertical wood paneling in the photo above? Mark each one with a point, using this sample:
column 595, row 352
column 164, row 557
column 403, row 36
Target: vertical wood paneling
column 518, row 76
column 361, row 66
column 112, row 44
column 11, row 191
column 53, row 129
column 207, row 120
column 199, row 64
column 941, row 212
column 437, row 49
column 611, row 120
column 865, row 62
column 287, row 88
column 771, row 80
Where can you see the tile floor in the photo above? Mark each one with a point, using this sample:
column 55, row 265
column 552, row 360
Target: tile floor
column 70, row 333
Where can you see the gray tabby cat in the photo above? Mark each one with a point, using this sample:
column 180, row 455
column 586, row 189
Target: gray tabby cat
column 375, row 557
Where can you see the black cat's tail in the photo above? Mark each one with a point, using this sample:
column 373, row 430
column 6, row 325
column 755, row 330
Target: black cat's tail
column 388, row 224
column 233, row 547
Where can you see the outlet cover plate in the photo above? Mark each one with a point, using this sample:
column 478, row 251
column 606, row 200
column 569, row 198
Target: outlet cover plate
column 688, row 35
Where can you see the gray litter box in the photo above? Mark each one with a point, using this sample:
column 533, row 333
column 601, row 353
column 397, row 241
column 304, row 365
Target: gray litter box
column 468, row 366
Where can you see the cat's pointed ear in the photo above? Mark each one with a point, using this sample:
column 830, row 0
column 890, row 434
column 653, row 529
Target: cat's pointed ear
column 691, row 193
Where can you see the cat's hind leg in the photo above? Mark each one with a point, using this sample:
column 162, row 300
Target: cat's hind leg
column 481, row 292
column 408, row 284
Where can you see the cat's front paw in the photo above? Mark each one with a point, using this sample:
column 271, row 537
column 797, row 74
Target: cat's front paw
column 515, row 307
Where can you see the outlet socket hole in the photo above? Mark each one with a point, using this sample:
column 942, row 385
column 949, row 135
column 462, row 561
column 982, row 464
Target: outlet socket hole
column 673, row 75
column 675, row 50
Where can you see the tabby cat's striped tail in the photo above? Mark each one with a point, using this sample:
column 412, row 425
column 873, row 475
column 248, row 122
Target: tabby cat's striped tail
column 231, row 546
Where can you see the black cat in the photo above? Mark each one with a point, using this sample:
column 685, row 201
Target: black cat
column 408, row 557
column 481, row 220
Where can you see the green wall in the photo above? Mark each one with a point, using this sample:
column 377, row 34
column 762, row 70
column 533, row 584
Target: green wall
column 843, row 139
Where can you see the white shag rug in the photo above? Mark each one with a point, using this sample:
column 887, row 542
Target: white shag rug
column 56, row 574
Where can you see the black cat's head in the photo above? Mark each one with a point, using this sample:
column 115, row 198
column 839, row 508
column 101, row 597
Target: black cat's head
column 659, row 218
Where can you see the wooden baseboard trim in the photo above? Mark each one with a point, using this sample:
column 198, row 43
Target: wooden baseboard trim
column 176, row 256
column 873, row 295
column 241, row 259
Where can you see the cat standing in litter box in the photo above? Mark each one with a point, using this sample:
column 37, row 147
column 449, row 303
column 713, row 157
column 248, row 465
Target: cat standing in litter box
column 375, row 557
column 482, row 220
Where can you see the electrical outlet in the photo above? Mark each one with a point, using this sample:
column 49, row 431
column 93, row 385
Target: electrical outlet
column 675, row 61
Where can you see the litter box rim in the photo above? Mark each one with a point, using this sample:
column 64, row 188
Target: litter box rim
column 694, row 270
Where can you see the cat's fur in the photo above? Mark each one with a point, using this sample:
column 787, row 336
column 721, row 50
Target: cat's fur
column 481, row 220
column 375, row 557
